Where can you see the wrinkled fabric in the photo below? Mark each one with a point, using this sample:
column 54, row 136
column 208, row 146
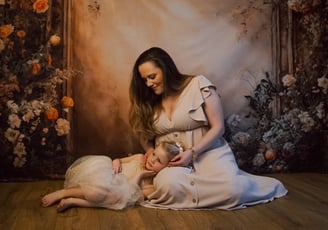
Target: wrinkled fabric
column 215, row 181
column 100, row 185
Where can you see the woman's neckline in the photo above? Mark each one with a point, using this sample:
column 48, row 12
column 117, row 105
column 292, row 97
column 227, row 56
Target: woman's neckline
column 176, row 98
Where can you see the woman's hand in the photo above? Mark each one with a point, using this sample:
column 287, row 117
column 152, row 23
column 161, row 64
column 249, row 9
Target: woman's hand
column 117, row 167
column 214, row 114
column 182, row 159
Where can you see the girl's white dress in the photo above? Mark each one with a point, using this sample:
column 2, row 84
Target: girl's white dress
column 95, row 175
column 216, row 182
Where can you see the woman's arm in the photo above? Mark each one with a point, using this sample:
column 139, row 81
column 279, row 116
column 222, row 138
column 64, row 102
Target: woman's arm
column 214, row 113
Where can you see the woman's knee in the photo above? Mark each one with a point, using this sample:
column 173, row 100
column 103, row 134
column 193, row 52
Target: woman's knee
column 234, row 190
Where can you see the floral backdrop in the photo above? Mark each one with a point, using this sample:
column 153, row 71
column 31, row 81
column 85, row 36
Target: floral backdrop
column 33, row 106
column 296, row 139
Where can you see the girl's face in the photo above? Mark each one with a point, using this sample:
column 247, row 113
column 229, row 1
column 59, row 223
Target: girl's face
column 152, row 76
column 157, row 160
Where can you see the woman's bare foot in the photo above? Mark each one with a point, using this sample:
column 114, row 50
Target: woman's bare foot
column 64, row 204
column 51, row 198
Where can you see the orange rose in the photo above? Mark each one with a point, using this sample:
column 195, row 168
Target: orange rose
column 270, row 154
column 67, row 102
column 6, row 30
column 52, row 114
column 54, row 40
column 36, row 67
column 20, row 33
column 40, row 6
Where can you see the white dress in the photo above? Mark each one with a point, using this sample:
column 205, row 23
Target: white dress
column 216, row 181
column 95, row 175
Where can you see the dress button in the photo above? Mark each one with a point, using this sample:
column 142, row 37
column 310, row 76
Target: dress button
column 194, row 200
column 192, row 182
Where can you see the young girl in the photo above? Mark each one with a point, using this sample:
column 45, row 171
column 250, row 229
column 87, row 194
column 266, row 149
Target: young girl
column 97, row 181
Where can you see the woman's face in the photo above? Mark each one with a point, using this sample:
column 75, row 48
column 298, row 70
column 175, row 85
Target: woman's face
column 152, row 76
column 157, row 160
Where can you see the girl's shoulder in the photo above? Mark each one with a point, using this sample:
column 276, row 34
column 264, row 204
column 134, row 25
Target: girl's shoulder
column 138, row 156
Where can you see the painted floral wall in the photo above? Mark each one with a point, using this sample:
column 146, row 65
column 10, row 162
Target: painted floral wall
column 230, row 43
column 227, row 41
column 33, row 104
column 296, row 139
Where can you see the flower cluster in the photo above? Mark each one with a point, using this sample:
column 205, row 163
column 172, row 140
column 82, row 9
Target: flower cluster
column 33, row 106
column 285, row 142
column 291, row 140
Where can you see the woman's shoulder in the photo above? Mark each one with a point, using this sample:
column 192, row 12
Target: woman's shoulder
column 202, row 81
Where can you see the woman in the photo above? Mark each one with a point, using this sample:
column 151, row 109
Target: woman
column 97, row 181
column 167, row 105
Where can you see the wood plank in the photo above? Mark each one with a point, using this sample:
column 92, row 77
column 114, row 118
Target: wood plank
column 123, row 219
column 305, row 207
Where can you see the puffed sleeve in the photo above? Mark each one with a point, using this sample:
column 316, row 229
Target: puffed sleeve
column 198, row 92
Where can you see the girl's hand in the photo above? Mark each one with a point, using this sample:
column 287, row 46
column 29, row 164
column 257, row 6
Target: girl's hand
column 117, row 167
column 182, row 159
column 147, row 173
column 149, row 152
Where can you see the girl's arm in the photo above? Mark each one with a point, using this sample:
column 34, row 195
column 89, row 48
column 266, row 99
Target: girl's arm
column 130, row 158
column 147, row 186
column 147, row 190
column 145, row 181
column 214, row 114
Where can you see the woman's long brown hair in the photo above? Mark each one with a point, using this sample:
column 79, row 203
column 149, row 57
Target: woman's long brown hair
column 144, row 102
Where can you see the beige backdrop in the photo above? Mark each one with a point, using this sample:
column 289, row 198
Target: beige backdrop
column 229, row 41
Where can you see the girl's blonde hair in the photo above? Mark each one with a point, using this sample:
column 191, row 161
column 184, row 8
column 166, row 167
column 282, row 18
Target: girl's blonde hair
column 171, row 148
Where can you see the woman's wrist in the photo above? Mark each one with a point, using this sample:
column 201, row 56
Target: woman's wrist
column 193, row 154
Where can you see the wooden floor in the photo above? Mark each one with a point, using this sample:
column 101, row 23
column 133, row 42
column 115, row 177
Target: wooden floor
column 305, row 207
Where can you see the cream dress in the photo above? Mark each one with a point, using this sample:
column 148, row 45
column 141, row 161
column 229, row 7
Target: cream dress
column 95, row 175
column 216, row 182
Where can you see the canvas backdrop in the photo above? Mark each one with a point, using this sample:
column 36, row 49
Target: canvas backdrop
column 228, row 41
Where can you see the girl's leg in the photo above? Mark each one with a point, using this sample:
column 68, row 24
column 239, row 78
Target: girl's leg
column 53, row 197
column 74, row 202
